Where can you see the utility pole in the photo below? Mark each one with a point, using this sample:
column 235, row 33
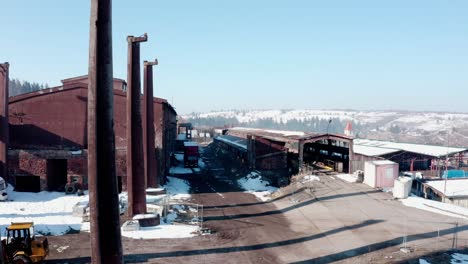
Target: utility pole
column 4, row 127
column 148, row 125
column 106, row 244
column 135, row 165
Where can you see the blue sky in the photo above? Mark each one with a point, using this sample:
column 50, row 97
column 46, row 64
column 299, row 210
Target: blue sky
column 409, row 55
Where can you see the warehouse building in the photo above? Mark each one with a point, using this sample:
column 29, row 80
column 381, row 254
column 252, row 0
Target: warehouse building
column 410, row 157
column 283, row 153
column 48, row 135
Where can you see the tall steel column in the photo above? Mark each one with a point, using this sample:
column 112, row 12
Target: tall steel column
column 148, row 125
column 106, row 244
column 135, row 165
column 4, row 127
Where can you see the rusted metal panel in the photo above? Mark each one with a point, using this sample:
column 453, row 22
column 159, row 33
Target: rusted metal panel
column 135, row 165
column 4, row 129
column 170, row 135
column 106, row 244
column 51, row 120
column 148, row 126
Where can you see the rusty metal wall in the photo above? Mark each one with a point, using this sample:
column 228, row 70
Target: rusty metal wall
column 70, row 131
column 4, row 130
column 51, row 119
column 269, row 154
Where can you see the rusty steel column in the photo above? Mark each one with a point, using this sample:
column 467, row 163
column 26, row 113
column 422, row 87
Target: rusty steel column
column 148, row 125
column 106, row 244
column 4, row 127
column 135, row 165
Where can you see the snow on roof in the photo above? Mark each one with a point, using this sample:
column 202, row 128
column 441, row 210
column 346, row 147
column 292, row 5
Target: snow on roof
column 429, row 150
column 190, row 144
column 234, row 141
column 382, row 162
column 454, row 188
column 372, row 151
column 285, row 133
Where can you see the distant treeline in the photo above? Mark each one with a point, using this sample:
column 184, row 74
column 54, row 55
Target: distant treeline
column 310, row 125
column 20, row 87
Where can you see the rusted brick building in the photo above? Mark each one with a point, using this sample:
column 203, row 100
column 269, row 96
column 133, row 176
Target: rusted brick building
column 48, row 135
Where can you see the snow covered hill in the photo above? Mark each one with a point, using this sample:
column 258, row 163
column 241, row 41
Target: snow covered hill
column 418, row 127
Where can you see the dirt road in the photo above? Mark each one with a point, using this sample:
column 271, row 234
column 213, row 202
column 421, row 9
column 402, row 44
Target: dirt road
column 329, row 220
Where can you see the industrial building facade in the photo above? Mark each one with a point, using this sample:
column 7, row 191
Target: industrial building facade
column 285, row 152
column 48, row 135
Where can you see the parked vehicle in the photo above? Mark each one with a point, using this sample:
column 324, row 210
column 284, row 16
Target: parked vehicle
column 21, row 246
column 190, row 154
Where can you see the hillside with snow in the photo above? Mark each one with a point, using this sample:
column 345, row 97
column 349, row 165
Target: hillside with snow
column 418, row 127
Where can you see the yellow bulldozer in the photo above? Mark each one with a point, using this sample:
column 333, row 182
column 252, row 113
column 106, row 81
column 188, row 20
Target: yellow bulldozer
column 21, row 246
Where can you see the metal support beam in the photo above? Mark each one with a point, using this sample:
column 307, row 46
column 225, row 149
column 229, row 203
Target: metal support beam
column 135, row 165
column 301, row 153
column 351, row 156
column 106, row 244
column 4, row 127
column 148, row 125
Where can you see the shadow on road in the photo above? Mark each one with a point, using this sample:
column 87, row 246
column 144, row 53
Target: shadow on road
column 381, row 245
column 137, row 258
column 284, row 210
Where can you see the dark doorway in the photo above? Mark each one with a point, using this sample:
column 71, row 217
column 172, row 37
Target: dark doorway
column 28, row 184
column 56, row 174
column 119, row 183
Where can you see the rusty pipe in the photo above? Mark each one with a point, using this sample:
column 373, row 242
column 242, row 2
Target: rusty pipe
column 106, row 243
column 148, row 125
column 136, row 186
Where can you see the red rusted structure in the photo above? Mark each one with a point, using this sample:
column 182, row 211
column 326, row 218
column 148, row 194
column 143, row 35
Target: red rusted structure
column 106, row 244
column 148, row 125
column 4, row 128
column 49, row 126
column 135, row 166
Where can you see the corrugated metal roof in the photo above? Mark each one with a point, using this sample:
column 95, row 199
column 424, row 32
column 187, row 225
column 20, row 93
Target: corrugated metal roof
column 454, row 188
column 372, row 151
column 429, row 150
column 233, row 141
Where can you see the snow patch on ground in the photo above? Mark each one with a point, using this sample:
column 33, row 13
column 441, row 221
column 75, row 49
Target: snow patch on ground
column 310, row 178
column 436, row 207
column 456, row 258
column 177, row 188
column 179, row 157
column 459, row 258
column 180, row 170
column 51, row 212
column 162, row 231
column 62, row 249
column 254, row 184
column 347, row 177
